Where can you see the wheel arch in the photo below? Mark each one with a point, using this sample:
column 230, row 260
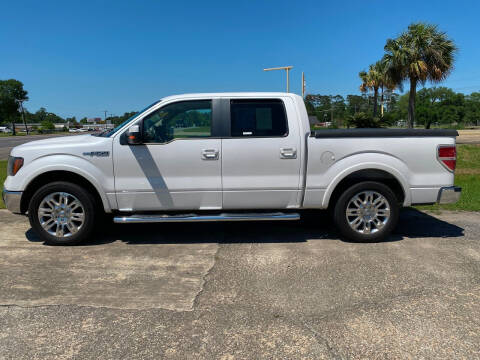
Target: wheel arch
column 62, row 175
column 387, row 177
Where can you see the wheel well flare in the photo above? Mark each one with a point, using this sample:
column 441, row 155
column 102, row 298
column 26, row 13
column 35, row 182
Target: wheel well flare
column 380, row 176
column 57, row 175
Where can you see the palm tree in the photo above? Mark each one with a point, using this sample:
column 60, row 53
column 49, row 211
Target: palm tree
column 370, row 80
column 419, row 54
column 376, row 78
column 386, row 82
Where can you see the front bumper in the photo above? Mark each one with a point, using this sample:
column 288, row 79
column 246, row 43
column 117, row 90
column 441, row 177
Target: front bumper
column 12, row 200
column 449, row 195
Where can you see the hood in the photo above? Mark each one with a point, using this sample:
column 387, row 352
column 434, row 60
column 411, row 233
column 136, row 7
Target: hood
column 62, row 140
column 73, row 145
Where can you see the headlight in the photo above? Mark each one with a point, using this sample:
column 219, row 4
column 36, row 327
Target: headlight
column 14, row 164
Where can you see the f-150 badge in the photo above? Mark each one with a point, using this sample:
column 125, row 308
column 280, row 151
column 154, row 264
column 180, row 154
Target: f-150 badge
column 97, row 153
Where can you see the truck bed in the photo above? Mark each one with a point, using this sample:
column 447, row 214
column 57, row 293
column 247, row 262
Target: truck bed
column 407, row 155
column 348, row 133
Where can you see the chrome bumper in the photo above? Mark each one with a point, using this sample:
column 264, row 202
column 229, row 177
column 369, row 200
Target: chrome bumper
column 449, row 195
column 12, row 200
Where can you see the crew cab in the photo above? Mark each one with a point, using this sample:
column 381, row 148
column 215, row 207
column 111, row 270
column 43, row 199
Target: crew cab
column 228, row 157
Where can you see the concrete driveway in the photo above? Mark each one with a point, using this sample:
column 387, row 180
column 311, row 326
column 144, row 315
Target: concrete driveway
column 243, row 291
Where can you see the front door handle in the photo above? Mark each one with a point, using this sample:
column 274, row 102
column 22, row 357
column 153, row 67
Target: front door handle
column 288, row 153
column 210, row 154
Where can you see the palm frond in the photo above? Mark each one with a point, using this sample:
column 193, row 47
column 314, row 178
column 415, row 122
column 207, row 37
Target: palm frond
column 423, row 52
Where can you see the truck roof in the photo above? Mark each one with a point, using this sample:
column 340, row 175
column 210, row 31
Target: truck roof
column 231, row 94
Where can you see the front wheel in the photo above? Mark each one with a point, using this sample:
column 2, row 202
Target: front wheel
column 366, row 212
column 62, row 213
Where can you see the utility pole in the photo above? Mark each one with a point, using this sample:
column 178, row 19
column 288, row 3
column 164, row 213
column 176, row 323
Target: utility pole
column 287, row 69
column 23, row 115
column 303, row 85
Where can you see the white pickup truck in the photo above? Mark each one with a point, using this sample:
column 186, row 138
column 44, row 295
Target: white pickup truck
column 228, row 157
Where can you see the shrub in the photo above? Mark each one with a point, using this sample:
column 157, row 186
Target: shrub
column 47, row 125
column 362, row 120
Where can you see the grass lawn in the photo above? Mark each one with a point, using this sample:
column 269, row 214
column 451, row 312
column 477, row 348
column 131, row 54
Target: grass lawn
column 9, row 134
column 467, row 176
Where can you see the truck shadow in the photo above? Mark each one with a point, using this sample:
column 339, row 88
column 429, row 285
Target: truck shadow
column 313, row 226
column 416, row 224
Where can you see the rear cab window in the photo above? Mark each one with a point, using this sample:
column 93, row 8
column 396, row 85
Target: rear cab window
column 258, row 118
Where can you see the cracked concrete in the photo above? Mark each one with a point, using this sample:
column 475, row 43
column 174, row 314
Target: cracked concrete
column 204, row 280
column 244, row 291
column 117, row 275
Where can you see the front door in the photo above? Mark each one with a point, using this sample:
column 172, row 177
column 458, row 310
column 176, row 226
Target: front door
column 179, row 165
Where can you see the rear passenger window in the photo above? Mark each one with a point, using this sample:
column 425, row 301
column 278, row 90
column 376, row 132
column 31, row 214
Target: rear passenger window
column 258, row 118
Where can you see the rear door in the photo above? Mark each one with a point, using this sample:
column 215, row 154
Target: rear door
column 262, row 156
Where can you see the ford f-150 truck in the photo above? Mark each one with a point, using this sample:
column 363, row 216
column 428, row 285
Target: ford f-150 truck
column 228, row 157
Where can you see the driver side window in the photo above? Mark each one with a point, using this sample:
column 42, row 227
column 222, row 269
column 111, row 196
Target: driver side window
column 180, row 120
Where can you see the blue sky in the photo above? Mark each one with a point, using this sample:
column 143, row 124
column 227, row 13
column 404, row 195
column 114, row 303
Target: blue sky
column 78, row 58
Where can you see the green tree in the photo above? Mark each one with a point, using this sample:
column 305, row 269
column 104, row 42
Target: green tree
column 72, row 120
column 435, row 106
column 419, row 54
column 54, row 118
column 371, row 80
column 12, row 96
column 339, row 109
column 472, row 109
column 41, row 115
column 326, row 107
column 376, row 78
column 310, row 108
column 117, row 120
column 47, row 125
column 356, row 103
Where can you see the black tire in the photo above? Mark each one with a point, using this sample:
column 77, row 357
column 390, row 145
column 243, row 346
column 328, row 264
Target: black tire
column 83, row 196
column 342, row 221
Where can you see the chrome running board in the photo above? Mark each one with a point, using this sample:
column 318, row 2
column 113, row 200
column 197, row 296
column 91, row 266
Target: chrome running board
column 209, row 217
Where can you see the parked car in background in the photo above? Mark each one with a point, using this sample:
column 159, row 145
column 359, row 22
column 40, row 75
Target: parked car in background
column 228, row 157
column 5, row 130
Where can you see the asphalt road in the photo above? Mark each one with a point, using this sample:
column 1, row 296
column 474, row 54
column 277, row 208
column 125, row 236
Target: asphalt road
column 9, row 142
column 243, row 291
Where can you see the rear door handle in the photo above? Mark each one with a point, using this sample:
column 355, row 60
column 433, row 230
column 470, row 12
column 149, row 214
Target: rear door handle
column 210, row 154
column 288, row 153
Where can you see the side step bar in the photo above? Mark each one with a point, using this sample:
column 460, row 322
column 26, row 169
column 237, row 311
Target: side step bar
column 200, row 218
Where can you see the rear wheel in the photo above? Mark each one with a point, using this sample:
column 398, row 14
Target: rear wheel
column 366, row 212
column 62, row 213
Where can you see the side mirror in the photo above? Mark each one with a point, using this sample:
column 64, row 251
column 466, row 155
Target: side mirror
column 134, row 136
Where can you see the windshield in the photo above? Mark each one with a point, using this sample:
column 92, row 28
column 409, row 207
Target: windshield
column 108, row 133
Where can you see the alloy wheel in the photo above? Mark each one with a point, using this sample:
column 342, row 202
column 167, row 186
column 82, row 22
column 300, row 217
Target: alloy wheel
column 61, row 214
column 367, row 212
